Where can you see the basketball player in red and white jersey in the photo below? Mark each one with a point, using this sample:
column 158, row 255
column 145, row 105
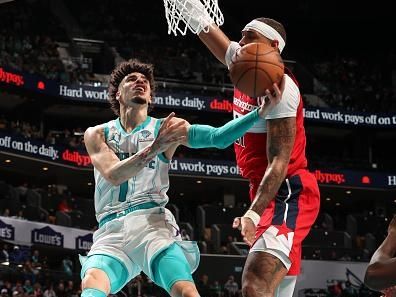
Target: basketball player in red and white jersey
column 284, row 194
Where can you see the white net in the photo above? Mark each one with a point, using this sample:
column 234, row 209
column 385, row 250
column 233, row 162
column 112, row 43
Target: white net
column 193, row 15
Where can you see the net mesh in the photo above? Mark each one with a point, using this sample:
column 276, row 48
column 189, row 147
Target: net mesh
column 193, row 15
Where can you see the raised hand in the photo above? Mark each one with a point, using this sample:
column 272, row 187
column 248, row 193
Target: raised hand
column 271, row 99
column 169, row 134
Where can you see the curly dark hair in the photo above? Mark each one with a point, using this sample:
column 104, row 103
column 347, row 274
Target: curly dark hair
column 122, row 70
column 274, row 24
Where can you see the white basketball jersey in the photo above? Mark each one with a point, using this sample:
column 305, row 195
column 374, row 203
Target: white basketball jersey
column 149, row 185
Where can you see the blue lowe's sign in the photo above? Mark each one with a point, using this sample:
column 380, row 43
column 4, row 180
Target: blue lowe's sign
column 84, row 242
column 47, row 236
column 7, row 231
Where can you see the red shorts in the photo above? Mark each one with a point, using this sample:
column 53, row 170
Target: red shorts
column 289, row 217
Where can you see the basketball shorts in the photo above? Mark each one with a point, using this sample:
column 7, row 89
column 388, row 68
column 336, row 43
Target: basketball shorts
column 288, row 219
column 135, row 240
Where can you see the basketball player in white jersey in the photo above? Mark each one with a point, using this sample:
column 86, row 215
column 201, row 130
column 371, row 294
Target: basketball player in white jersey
column 131, row 157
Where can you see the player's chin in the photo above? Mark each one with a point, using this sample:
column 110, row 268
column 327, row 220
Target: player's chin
column 139, row 100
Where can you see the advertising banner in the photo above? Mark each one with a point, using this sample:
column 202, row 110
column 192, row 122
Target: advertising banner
column 324, row 115
column 175, row 100
column 79, row 159
column 28, row 233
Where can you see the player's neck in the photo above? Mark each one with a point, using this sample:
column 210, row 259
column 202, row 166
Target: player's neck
column 130, row 118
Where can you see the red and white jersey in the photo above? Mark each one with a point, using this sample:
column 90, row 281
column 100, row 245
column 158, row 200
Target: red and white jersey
column 250, row 150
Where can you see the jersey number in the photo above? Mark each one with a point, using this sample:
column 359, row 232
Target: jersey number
column 124, row 185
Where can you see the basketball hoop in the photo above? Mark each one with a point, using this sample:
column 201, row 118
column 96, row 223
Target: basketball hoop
column 193, row 15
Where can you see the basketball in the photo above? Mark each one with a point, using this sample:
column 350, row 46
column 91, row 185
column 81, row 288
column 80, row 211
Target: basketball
column 255, row 67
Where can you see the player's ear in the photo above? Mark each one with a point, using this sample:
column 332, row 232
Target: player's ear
column 275, row 43
column 118, row 95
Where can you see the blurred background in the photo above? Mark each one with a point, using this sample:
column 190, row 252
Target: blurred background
column 55, row 60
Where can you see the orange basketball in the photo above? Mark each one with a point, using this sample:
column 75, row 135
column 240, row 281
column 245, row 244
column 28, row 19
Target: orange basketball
column 255, row 67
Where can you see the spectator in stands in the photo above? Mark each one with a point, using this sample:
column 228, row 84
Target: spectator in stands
column 29, row 273
column 69, row 288
column 6, row 212
column 60, row 290
column 37, row 291
column 64, row 206
column 19, row 215
column 4, row 293
column 203, row 285
column 49, row 292
column 231, row 287
column 215, row 289
column 17, row 256
column 36, row 259
column 381, row 272
column 67, row 266
column 4, row 255
column 27, row 287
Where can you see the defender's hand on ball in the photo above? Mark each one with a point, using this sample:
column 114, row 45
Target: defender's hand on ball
column 247, row 228
column 271, row 99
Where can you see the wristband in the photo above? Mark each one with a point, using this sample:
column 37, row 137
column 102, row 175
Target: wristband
column 254, row 216
column 231, row 50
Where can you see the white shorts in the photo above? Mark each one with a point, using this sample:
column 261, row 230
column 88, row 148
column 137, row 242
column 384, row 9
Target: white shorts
column 277, row 246
column 135, row 239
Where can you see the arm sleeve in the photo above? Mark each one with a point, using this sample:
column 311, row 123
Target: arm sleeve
column 231, row 50
column 201, row 136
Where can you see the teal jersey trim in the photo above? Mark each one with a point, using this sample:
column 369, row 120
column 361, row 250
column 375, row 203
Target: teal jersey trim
column 123, row 191
column 157, row 127
column 90, row 292
column 124, row 186
column 106, row 131
column 161, row 156
column 138, row 128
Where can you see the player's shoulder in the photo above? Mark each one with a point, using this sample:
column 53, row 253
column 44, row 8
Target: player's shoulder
column 94, row 132
column 292, row 91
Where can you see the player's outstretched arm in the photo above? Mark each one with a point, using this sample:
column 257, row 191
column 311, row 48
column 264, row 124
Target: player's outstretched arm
column 205, row 136
column 115, row 171
column 381, row 272
column 216, row 41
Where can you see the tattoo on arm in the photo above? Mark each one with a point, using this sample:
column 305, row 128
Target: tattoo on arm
column 280, row 142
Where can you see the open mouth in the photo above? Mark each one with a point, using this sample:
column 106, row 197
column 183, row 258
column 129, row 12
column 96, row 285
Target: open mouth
column 139, row 88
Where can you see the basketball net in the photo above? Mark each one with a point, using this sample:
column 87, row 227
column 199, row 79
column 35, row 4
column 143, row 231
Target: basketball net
column 193, row 15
